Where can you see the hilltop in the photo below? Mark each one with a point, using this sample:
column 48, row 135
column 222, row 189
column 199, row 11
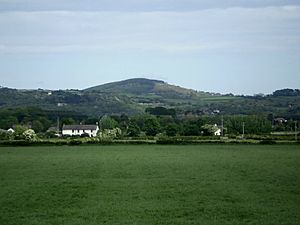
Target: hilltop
column 143, row 86
column 130, row 86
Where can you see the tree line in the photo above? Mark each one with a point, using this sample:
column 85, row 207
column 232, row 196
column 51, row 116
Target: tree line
column 154, row 121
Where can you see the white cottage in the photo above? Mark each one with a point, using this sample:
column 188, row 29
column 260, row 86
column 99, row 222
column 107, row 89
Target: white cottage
column 218, row 131
column 75, row 130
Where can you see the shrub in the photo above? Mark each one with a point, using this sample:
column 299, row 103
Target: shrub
column 29, row 135
column 267, row 142
column 84, row 135
column 75, row 142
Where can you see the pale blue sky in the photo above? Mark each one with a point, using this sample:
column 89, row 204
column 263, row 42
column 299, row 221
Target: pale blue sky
column 238, row 46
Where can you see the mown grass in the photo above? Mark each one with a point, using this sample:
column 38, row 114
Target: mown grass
column 150, row 184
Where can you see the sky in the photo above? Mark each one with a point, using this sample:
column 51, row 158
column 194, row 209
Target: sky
column 224, row 46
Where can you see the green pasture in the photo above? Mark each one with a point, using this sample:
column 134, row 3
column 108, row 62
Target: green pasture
column 150, row 184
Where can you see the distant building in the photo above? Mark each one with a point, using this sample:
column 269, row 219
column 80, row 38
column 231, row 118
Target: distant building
column 54, row 130
column 280, row 120
column 61, row 104
column 77, row 130
column 11, row 130
column 216, row 111
column 218, row 131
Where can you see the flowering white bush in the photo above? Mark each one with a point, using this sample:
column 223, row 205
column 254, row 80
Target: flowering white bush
column 110, row 133
column 29, row 135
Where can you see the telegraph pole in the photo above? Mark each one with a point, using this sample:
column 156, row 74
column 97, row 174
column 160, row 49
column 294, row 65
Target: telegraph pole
column 222, row 126
column 243, row 130
column 57, row 125
column 296, row 137
column 57, row 122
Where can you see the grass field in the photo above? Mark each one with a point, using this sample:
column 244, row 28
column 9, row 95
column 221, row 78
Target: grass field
column 150, row 184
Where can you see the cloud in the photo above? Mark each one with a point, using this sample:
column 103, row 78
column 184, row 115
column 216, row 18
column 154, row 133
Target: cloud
column 135, row 5
column 228, row 29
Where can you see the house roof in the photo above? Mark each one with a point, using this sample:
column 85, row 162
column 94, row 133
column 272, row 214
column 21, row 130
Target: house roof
column 79, row 127
column 3, row 131
column 52, row 129
column 279, row 118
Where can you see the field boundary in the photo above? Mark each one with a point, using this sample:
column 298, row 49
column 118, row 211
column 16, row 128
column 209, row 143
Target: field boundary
column 160, row 141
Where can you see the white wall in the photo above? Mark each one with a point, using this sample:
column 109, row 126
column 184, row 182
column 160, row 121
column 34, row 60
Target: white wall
column 92, row 133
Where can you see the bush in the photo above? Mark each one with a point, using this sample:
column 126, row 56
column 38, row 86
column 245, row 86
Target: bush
column 85, row 135
column 29, row 135
column 187, row 140
column 75, row 142
column 16, row 143
column 267, row 142
column 5, row 136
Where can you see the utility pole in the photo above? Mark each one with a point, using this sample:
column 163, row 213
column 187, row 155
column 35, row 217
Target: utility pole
column 58, row 125
column 243, row 130
column 222, row 126
column 296, row 132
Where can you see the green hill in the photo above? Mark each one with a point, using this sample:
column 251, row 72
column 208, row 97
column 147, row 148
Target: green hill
column 133, row 96
column 143, row 86
column 131, row 86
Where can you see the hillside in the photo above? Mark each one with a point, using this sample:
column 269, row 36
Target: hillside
column 135, row 95
column 143, row 86
column 131, row 86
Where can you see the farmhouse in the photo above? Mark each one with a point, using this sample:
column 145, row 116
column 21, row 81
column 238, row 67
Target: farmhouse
column 10, row 130
column 280, row 120
column 73, row 130
column 217, row 131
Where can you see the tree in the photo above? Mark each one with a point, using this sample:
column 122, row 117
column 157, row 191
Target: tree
column 191, row 129
column 8, row 122
column 37, row 126
column 287, row 92
column 209, row 129
column 152, row 126
column 19, row 130
column 123, row 122
column 108, row 134
column 68, row 121
column 161, row 111
column 133, row 130
column 253, row 124
column 4, row 135
column 172, row 130
column 107, row 122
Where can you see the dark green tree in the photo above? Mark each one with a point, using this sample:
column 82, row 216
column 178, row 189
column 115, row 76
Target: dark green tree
column 107, row 122
column 133, row 130
column 172, row 130
column 152, row 126
column 37, row 126
column 68, row 121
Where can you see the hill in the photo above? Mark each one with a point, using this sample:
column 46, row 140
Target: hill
column 130, row 86
column 143, row 86
column 133, row 96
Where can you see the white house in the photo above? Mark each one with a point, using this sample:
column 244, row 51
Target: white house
column 73, row 130
column 218, row 131
column 11, row 130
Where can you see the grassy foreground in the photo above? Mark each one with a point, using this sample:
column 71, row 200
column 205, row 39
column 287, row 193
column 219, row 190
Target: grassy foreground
column 201, row 184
